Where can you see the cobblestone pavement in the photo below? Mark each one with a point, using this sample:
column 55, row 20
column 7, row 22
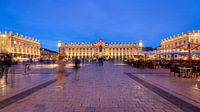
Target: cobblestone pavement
column 187, row 89
column 100, row 89
column 19, row 82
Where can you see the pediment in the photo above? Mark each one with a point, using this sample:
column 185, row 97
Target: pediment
column 100, row 43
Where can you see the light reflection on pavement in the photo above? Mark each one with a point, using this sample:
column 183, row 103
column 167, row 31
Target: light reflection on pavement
column 100, row 89
column 18, row 81
column 187, row 89
column 103, row 83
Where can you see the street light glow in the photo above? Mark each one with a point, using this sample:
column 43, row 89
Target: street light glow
column 59, row 44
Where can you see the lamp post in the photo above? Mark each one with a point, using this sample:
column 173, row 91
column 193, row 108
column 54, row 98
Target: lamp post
column 14, row 48
column 59, row 45
column 189, row 55
column 140, row 44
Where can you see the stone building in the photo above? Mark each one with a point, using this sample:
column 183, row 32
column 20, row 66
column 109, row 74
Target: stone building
column 175, row 43
column 99, row 49
column 21, row 48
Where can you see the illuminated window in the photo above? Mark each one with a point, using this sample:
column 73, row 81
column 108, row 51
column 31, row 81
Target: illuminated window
column 175, row 43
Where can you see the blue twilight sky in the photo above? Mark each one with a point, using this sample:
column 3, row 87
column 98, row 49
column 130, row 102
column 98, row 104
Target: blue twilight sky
column 88, row 20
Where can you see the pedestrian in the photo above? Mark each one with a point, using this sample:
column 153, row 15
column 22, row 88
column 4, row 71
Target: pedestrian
column 76, row 67
column 97, row 61
column 101, row 61
column 1, row 66
column 7, row 63
column 27, row 67
column 61, row 72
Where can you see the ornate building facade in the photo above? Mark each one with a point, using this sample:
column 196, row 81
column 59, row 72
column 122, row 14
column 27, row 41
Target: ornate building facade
column 18, row 46
column 173, row 44
column 99, row 49
column 183, row 46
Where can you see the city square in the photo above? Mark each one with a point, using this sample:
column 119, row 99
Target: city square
column 100, row 56
column 102, row 88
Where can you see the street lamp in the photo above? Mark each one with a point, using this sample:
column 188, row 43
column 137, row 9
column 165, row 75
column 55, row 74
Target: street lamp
column 14, row 49
column 140, row 43
column 59, row 45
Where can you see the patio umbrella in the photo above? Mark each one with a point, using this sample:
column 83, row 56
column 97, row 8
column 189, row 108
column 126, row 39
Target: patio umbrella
column 189, row 46
column 197, row 53
column 175, row 52
column 148, row 53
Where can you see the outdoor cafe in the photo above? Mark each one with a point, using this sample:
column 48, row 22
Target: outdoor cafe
column 185, row 63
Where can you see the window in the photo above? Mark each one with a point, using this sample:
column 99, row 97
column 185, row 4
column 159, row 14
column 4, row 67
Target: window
column 197, row 41
column 185, row 41
column 192, row 40
column 175, row 43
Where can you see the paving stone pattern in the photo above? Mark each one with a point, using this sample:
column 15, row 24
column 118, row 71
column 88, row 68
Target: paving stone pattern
column 184, row 105
column 19, row 82
column 100, row 89
column 187, row 89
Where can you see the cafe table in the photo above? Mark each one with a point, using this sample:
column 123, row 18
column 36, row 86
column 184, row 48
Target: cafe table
column 186, row 70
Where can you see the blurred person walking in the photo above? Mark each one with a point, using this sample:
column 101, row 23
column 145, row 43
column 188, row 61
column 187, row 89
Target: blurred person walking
column 61, row 72
column 101, row 61
column 27, row 67
column 76, row 67
column 6, row 63
column 1, row 66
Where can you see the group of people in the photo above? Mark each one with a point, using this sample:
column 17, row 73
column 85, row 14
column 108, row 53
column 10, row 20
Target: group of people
column 62, row 70
column 100, row 61
column 5, row 64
